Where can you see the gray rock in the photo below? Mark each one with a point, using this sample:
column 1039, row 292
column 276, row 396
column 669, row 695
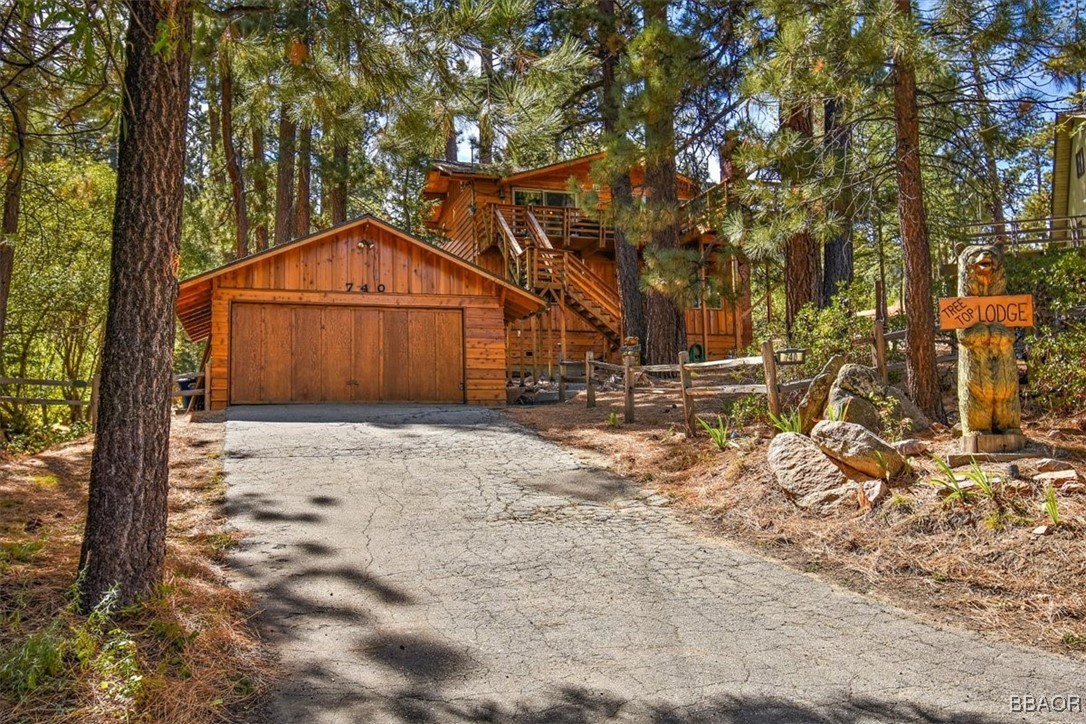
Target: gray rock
column 818, row 392
column 807, row 476
column 874, row 492
column 911, row 447
column 857, row 447
column 1051, row 465
column 858, row 394
column 850, row 408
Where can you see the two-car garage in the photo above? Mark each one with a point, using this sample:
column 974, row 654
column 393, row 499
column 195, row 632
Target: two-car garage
column 326, row 353
column 362, row 312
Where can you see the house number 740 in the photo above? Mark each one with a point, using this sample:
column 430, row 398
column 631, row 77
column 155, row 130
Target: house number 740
column 364, row 288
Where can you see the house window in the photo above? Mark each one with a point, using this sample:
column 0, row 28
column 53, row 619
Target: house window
column 1080, row 164
column 541, row 197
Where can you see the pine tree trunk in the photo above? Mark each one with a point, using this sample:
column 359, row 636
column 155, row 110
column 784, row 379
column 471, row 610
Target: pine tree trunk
column 452, row 150
column 233, row 163
column 627, row 260
column 802, row 268
column 302, row 202
column 991, row 168
column 837, row 265
column 13, row 183
column 284, row 181
column 260, row 187
column 124, row 542
column 920, row 371
column 341, row 169
column 486, row 130
column 665, row 320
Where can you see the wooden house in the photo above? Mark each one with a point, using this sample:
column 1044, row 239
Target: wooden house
column 1069, row 174
column 361, row 312
column 530, row 228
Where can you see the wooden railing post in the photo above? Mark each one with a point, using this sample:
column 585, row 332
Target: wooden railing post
column 561, row 380
column 878, row 350
column 96, row 381
column 207, row 387
column 628, row 384
column 689, row 411
column 589, row 374
column 769, row 362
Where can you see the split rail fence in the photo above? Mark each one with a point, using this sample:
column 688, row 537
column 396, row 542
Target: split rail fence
column 19, row 386
column 709, row 379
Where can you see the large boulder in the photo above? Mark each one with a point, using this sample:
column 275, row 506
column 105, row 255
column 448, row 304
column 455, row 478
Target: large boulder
column 857, row 447
column 810, row 479
column 858, row 395
column 814, row 400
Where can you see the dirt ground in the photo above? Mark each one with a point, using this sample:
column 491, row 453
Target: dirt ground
column 189, row 654
column 971, row 566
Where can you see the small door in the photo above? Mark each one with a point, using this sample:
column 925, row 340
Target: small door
column 313, row 353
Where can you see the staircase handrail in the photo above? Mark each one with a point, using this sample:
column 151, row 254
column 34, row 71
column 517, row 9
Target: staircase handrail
column 580, row 275
column 535, row 230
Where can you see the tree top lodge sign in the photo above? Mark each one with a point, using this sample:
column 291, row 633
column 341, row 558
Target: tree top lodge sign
column 1010, row 310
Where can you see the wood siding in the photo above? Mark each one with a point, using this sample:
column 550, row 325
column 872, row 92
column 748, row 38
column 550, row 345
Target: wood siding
column 397, row 274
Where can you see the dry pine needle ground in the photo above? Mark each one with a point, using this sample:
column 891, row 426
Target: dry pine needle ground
column 189, row 654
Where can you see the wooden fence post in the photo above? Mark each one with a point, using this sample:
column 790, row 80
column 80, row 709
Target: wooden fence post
column 689, row 411
column 769, row 361
column 878, row 349
column 93, row 414
column 628, row 383
column 561, row 380
column 589, row 373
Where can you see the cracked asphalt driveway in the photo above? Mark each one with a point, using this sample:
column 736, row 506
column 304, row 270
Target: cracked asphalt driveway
column 442, row 564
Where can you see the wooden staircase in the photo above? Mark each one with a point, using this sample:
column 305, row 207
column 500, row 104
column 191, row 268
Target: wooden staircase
column 556, row 274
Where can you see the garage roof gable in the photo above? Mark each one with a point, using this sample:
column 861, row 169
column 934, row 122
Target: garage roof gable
column 195, row 293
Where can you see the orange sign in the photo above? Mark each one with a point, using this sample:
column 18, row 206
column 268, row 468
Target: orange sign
column 1015, row 310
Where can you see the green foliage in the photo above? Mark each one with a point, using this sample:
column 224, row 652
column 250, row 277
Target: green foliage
column 34, row 662
column 1057, row 375
column 1056, row 278
column 1051, row 505
column 720, row 434
column 831, row 330
column 612, row 419
column 39, row 438
column 747, row 410
column 787, row 421
column 953, row 491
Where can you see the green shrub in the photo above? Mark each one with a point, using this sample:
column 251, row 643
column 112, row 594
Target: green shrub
column 34, row 662
column 1057, row 373
column 39, row 438
column 831, row 330
column 747, row 410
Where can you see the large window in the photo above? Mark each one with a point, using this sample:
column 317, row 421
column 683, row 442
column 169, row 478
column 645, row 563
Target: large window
column 540, row 197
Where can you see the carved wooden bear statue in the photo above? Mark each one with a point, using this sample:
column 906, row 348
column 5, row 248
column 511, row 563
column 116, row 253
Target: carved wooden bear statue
column 987, row 373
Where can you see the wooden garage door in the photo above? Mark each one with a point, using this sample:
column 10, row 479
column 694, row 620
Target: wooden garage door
column 310, row 353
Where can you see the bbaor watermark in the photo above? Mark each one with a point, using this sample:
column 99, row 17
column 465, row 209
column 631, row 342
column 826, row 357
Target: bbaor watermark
column 1029, row 704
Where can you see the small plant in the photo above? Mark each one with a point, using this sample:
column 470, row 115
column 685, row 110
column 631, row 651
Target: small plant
column 983, row 482
column 1051, row 505
column 1073, row 641
column 787, row 421
column 35, row 661
column 612, row 419
column 834, row 414
column 884, row 466
column 952, row 487
column 720, row 434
